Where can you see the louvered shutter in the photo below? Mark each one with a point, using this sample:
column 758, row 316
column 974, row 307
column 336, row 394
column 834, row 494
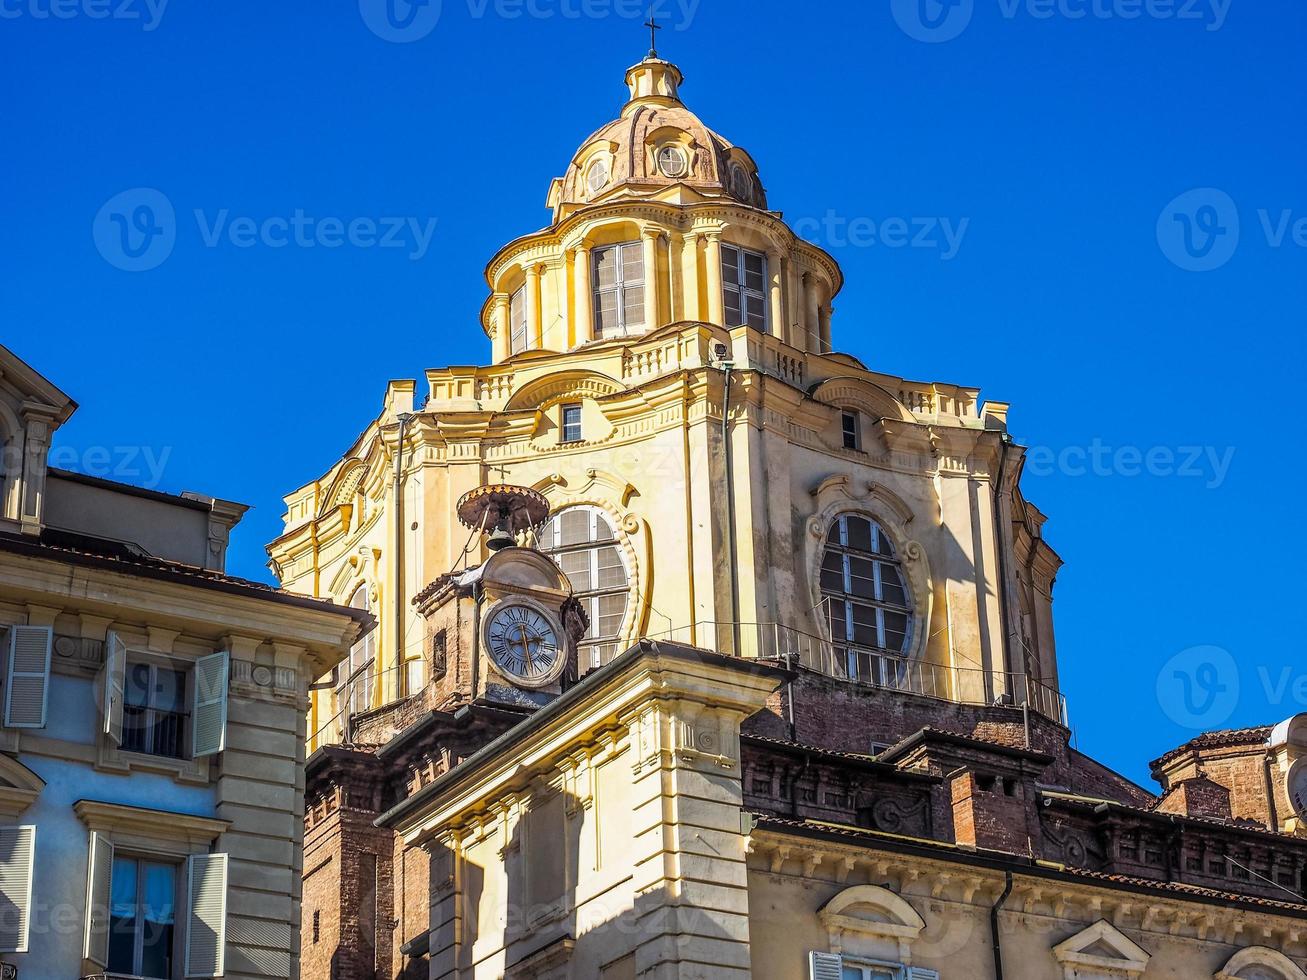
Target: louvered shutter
column 826, row 966
column 17, row 855
column 99, row 874
column 27, row 683
column 206, row 914
column 917, row 973
column 209, row 730
column 114, row 678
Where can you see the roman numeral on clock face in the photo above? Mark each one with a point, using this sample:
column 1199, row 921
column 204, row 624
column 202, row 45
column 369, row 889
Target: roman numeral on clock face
column 523, row 642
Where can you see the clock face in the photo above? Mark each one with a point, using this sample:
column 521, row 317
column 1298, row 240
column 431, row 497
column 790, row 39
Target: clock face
column 524, row 644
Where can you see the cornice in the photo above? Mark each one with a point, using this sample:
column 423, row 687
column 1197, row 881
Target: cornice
column 156, row 825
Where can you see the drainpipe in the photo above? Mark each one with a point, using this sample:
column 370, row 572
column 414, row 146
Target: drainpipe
column 404, row 419
column 732, row 558
column 1272, row 810
column 993, row 927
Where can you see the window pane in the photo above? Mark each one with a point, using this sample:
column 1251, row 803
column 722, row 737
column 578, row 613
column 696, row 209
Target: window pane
column 753, row 271
column 612, row 611
column 612, row 573
column 731, row 302
column 158, row 919
column 170, row 690
column 891, row 586
column 755, row 310
column 862, row 578
column 730, row 266
column 122, row 917
column 137, row 692
column 632, row 263
column 896, row 630
column 603, row 263
column 832, row 572
column 864, row 626
column 633, row 309
column 573, row 526
column 838, row 624
column 576, row 566
column 859, row 533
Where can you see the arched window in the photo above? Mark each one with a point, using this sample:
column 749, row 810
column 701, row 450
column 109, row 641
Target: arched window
column 355, row 678
column 866, row 598
column 583, row 543
column 1260, row 963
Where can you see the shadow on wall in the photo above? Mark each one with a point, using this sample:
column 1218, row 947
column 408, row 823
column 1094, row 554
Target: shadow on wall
column 559, row 902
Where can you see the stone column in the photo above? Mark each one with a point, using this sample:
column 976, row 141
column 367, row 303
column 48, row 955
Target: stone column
column 533, row 339
column 691, row 290
column 824, row 317
column 501, row 339
column 811, row 313
column 676, row 278
column 716, row 302
column 649, row 241
column 793, row 305
column 776, row 312
column 584, row 312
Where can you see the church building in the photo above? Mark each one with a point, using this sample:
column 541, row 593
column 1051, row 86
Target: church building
column 706, row 650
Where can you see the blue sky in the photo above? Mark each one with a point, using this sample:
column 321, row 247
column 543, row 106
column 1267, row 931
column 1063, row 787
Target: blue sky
column 1040, row 152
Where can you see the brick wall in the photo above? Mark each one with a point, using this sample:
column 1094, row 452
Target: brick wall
column 991, row 813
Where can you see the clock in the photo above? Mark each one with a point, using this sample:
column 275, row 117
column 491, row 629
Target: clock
column 525, row 642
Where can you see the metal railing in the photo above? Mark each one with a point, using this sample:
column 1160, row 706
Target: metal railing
column 874, row 668
column 771, row 641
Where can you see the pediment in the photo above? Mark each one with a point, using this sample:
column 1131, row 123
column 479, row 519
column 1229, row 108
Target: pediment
column 855, row 393
column 26, row 388
column 872, row 921
column 568, row 385
column 19, row 787
column 1102, row 950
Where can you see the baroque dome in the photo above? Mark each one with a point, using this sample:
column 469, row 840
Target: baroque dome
column 657, row 149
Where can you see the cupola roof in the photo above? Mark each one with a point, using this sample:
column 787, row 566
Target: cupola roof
column 656, row 149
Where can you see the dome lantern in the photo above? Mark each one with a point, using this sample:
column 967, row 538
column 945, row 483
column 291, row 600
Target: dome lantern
column 653, row 82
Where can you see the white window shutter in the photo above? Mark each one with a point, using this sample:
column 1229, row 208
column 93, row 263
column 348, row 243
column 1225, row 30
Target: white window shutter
column 17, row 858
column 209, row 723
column 826, row 966
column 206, row 915
column 115, row 680
column 96, row 941
column 27, row 684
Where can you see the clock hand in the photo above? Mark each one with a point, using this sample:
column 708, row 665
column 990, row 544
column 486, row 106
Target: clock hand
column 526, row 647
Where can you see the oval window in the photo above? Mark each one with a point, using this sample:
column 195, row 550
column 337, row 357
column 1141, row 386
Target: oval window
column 597, row 176
column 672, row 161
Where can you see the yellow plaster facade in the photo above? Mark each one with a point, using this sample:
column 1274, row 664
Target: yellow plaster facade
column 721, row 526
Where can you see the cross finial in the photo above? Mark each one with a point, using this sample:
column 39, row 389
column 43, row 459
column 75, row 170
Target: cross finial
column 503, row 473
column 654, row 27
